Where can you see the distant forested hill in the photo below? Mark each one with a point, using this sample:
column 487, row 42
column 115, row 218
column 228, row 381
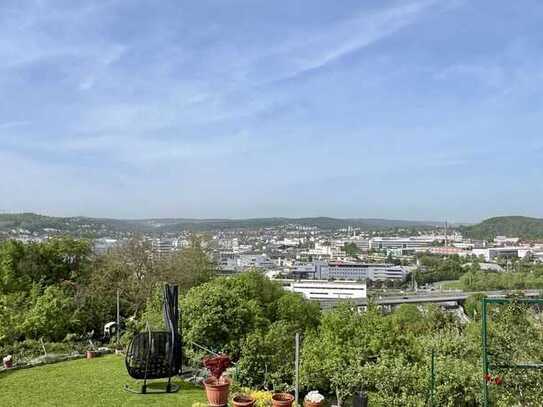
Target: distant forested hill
column 71, row 225
column 103, row 227
column 512, row 226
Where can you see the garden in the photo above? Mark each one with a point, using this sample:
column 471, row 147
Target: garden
column 55, row 298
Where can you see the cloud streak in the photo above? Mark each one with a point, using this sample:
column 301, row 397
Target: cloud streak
column 324, row 48
column 12, row 124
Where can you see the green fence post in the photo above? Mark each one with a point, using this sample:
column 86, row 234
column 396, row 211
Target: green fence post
column 485, row 351
column 433, row 378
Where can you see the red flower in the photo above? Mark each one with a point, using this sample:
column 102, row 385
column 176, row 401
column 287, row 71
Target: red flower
column 488, row 377
column 498, row 380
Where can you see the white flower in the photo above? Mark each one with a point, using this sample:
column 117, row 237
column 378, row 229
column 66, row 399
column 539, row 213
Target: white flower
column 314, row 397
column 7, row 358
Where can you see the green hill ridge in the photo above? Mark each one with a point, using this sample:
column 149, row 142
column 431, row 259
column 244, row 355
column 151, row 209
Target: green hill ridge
column 523, row 227
column 102, row 226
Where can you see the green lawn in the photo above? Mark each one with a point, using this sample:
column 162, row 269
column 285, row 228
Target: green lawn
column 96, row 382
column 449, row 285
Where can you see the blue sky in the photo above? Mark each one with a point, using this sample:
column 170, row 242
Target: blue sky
column 400, row 109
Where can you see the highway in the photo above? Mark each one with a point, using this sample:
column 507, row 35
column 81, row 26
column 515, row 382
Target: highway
column 425, row 298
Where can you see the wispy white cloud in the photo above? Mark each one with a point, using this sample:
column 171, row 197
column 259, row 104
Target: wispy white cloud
column 26, row 35
column 12, row 124
column 321, row 48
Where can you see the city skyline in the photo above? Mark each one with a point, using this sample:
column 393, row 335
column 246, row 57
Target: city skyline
column 417, row 110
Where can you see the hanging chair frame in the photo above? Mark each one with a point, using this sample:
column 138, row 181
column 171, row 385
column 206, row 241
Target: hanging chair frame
column 157, row 354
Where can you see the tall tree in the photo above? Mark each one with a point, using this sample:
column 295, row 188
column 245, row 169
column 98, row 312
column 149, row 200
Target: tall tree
column 129, row 268
column 189, row 267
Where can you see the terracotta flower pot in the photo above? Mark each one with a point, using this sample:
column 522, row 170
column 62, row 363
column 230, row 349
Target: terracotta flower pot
column 90, row 354
column 217, row 391
column 282, row 400
column 312, row 404
column 243, row 400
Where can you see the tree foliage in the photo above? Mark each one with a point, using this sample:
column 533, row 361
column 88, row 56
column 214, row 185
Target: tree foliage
column 251, row 318
column 55, row 261
column 335, row 355
column 486, row 281
column 351, row 249
column 59, row 286
column 436, row 268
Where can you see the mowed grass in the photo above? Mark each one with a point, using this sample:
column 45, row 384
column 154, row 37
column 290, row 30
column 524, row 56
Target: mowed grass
column 450, row 285
column 95, row 382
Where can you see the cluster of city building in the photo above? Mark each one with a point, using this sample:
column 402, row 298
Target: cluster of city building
column 342, row 261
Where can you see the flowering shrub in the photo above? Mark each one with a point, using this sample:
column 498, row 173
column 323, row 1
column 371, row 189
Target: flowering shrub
column 262, row 398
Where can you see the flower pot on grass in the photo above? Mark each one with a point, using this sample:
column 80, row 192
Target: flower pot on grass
column 282, row 400
column 313, row 399
column 8, row 362
column 217, row 391
column 90, row 354
column 243, row 400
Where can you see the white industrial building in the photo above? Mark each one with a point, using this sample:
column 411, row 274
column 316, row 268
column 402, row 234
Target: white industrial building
column 383, row 243
column 229, row 244
column 316, row 269
column 349, row 271
column 320, row 290
column 103, row 245
column 163, row 246
column 321, row 249
column 255, row 260
column 362, row 271
column 506, row 241
column 241, row 262
column 361, row 243
column 492, row 253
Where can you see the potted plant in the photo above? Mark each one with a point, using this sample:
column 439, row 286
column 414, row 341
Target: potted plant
column 217, row 386
column 313, row 399
column 91, row 351
column 243, row 400
column 282, row 400
column 8, row 361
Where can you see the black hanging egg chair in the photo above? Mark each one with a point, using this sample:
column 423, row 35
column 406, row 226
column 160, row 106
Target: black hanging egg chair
column 157, row 354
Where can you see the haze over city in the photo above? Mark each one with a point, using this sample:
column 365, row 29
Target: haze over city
column 423, row 110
